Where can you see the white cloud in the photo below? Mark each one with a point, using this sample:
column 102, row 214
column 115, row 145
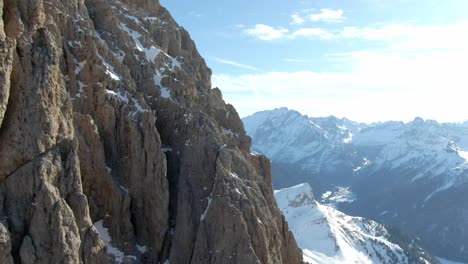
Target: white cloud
column 297, row 19
column 418, row 70
column 381, row 86
column 420, row 37
column 328, row 15
column 265, row 32
column 404, row 36
column 268, row 33
column 312, row 33
column 387, row 32
column 236, row 64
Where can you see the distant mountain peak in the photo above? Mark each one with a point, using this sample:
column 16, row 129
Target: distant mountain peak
column 400, row 173
column 299, row 195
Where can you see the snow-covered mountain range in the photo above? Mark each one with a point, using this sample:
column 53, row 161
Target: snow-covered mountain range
column 413, row 175
column 328, row 236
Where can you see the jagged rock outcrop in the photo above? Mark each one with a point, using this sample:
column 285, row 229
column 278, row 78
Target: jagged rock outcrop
column 115, row 148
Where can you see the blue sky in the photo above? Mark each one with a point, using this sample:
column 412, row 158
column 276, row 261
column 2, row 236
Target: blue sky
column 368, row 60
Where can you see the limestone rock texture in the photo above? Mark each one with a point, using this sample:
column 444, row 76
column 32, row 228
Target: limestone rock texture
column 115, row 148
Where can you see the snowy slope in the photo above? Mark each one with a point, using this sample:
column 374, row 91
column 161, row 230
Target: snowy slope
column 329, row 236
column 424, row 152
column 284, row 133
column 318, row 146
column 412, row 175
column 436, row 152
column 281, row 130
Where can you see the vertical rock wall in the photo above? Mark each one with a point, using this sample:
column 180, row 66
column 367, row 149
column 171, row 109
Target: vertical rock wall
column 114, row 148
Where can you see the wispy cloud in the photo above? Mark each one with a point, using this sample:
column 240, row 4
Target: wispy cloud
column 326, row 15
column 269, row 33
column 265, row 32
column 412, row 36
column 403, row 35
column 297, row 19
column 319, row 33
column 294, row 60
column 235, row 64
column 417, row 71
column 384, row 92
column 195, row 13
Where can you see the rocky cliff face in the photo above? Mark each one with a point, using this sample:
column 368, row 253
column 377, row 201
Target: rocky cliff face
column 114, row 148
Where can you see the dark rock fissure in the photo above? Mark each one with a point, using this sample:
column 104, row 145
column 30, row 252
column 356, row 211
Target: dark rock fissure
column 54, row 148
column 173, row 172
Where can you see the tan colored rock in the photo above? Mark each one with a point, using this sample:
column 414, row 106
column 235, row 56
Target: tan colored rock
column 107, row 114
column 5, row 245
column 48, row 215
column 6, row 65
column 147, row 5
column 55, row 225
column 238, row 198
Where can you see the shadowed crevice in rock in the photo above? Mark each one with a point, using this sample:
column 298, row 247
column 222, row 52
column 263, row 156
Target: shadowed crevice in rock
column 173, row 167
column 41, row 155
